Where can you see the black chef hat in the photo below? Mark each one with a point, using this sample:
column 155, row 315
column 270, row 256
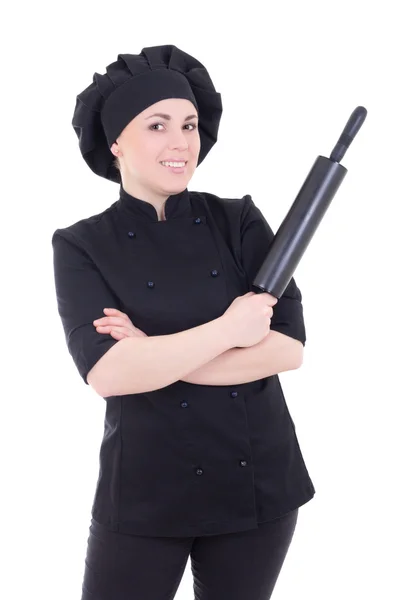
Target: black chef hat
column 131, row 84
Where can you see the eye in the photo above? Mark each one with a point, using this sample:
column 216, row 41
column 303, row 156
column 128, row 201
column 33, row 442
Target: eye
column 155, row 125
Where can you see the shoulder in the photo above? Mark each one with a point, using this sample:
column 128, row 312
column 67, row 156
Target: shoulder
column 84, row 232
column 231, row 208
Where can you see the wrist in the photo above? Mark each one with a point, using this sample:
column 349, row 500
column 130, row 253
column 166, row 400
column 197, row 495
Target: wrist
column 225, row 333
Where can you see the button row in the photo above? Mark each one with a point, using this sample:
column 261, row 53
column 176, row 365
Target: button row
column 185, row 404
column 197, row 220
column 213, row 273
column 242, row 463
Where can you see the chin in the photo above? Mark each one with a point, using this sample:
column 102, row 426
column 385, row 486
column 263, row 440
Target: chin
column 178, row 186
column 177, row 189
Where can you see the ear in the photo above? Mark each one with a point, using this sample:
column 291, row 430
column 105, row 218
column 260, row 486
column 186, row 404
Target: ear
column 115, row 149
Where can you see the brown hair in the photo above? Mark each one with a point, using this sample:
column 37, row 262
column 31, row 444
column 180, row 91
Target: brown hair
column 116, row 163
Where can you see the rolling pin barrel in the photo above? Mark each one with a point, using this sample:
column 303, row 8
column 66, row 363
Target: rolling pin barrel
column 306, row 213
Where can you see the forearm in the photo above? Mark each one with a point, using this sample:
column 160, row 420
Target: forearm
column 143, row 364
column 274, row 354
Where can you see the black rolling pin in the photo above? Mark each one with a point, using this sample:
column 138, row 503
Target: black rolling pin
column 306, row 212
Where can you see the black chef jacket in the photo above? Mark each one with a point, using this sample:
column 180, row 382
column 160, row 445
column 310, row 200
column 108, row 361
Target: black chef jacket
column 186, row 459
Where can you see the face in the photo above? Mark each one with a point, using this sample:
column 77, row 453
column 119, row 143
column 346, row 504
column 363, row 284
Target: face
column 147, row 140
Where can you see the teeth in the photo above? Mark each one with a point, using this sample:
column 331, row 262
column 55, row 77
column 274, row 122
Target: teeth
column 173, row 164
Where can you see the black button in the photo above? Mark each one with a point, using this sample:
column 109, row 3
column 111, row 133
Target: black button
column 199, row 472
column 214, row 272
column 131, row 234
column 234, row 394
column 243, row 463
column 197, row 220
column 150, row 284
column 184, row 404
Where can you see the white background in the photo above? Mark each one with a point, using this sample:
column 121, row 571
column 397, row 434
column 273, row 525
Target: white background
column 290, row 75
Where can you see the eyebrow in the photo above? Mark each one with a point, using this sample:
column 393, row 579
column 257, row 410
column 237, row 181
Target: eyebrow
column 168, row 117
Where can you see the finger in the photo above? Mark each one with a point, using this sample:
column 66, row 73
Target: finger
column 115, row 311
column 271, row 298
column 112, row 321
column 117, row 335
column 108, row 328
column 116, row 314
column 126, row 331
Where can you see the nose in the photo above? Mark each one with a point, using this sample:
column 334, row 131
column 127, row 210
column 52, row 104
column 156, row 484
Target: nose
column 178, row 140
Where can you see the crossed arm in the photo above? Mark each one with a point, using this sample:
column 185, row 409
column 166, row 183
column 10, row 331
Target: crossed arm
column 276, row 353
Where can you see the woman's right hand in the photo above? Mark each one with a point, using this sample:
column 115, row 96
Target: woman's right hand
column 249, row 318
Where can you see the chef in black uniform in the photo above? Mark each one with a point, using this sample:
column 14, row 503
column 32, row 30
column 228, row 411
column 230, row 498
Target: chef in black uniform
column 213, row 472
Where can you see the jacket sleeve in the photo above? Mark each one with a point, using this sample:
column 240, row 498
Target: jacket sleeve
column 256, row 238
column 81, row 293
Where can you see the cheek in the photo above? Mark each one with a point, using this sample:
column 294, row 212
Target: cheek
column 142, row 156
column 151, row 149
column 196, row 144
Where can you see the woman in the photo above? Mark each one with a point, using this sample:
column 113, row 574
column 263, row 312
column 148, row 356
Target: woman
column 199, row 457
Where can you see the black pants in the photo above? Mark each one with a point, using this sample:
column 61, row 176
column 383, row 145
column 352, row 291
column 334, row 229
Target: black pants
column 238, row 566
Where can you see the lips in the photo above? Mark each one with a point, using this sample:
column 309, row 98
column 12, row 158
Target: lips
column 176, row 170
column 174, row 160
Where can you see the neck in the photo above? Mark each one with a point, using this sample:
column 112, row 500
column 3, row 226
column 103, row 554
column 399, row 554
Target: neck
column 150, row 196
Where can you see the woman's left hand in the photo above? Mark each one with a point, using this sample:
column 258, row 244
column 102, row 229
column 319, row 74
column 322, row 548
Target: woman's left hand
column 117, row 324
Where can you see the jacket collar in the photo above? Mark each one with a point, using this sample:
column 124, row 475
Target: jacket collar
column 176, row 206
